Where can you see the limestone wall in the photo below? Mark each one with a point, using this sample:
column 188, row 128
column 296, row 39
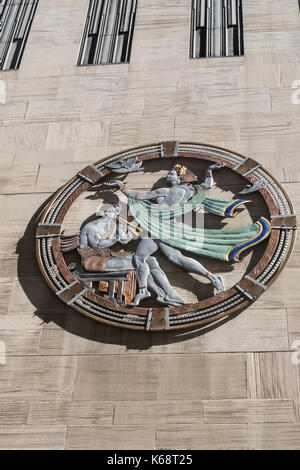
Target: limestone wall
column 70, row 382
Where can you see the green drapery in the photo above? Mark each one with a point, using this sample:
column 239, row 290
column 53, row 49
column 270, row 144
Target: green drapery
column 159, row 221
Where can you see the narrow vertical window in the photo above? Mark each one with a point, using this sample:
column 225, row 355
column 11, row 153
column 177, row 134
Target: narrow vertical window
column 108, row 32
column 216, row 28
column 15, row 21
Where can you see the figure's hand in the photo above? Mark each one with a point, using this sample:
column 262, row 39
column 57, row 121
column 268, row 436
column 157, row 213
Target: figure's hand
column 114, row 184
column 216, row 166
column 129, row 232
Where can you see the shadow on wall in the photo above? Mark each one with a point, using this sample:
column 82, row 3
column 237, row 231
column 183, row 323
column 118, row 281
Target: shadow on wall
column 50, row 309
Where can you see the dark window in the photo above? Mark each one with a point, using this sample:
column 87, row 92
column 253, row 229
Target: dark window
column 15, row 21
column 216, row 28
column 108, row 32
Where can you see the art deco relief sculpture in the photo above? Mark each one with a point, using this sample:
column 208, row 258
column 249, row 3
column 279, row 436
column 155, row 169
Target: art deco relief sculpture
column 95, row 239
column 157, row 212
column 95, row 276
column 159, row 220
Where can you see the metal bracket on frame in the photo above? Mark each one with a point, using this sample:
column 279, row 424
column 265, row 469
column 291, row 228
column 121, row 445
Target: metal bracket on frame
column 91, row 174
column 158, row 319
column 251, row 288
column 169, row 149
column 48, row 230
column 246, row 166
column 72, row 292
column 284, row 222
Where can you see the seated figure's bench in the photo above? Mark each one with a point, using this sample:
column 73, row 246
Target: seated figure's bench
column 119, row 286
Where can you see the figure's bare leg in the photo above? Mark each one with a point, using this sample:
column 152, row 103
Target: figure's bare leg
column 146, row 247
column 191, row 265
column 166, row 294
column 157, row 281
column 155, row 287
column 119, row 263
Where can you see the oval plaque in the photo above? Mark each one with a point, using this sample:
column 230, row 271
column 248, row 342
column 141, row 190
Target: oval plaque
column 89, row 271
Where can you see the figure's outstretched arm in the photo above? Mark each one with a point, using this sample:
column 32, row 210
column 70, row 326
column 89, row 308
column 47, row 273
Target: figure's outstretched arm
column 209, row 180
column 147, row 195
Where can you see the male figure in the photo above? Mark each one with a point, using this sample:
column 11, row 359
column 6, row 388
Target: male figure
column 98, row 236
column 176, row 193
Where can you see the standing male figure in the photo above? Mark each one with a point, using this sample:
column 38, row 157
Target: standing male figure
column 176, row 193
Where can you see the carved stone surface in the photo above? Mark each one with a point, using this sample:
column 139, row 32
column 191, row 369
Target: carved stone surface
column 277, row 251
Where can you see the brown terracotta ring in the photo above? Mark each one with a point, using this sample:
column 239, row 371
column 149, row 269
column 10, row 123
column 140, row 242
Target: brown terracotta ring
column 279, row 248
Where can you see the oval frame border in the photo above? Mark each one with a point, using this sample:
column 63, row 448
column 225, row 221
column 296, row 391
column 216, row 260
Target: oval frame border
column 75, row 294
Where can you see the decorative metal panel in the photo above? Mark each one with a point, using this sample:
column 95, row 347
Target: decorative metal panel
column 216, row 28
column 114, row 287
column 108, row 32
column 15, row 21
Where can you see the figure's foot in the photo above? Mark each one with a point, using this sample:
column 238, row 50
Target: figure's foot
column 175, row 300
column 218, row 283
column 144, row 294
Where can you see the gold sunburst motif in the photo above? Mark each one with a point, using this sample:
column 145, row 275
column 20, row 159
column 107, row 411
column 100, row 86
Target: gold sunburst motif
column 181, row 170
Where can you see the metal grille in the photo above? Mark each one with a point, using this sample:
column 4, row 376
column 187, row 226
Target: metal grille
column 216, row 28
column 15, row 21
column 108, row 32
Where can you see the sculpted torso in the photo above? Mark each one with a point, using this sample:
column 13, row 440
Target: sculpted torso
column 93, row 235
column 173, row 195
column 103, row 233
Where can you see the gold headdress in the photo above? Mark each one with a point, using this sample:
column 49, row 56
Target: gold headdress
column 186, row 175
column 181, row 170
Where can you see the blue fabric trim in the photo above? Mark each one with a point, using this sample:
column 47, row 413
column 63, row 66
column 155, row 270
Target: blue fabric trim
column 266, row 230
column 229, row 210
